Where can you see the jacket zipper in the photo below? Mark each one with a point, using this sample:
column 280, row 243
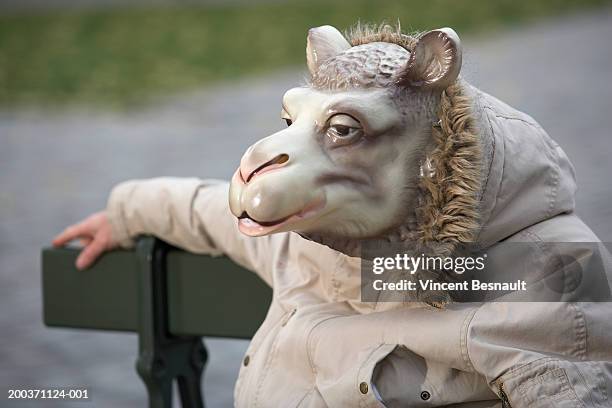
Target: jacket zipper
column 503, row 396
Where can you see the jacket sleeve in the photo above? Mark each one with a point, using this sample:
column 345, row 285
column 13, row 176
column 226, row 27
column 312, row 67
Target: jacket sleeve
column 192, row 214
column 556, row 350
column 538, row 354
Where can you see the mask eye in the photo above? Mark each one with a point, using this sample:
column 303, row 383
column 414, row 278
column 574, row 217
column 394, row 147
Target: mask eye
column 285, row 116
column 343, row 130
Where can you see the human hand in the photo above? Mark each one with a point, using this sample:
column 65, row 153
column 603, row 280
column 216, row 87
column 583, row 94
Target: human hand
column 94, row 233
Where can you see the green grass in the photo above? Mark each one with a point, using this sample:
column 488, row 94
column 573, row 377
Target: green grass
column 126, row 57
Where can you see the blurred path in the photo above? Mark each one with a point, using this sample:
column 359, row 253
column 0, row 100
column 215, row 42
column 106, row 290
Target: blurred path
column 55, row 168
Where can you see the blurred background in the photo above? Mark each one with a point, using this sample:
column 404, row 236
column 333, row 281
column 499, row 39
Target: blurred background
column 93, row 92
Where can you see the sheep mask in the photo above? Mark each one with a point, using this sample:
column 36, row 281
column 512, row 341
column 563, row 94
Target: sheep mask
column 379, row 145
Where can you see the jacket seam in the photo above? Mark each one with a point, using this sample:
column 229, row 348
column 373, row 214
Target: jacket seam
column 463, row 341
column 309, row 351
column 304, row 396
column 491, row 158
column 582, row 337
column 507, row 117
column 501, row 177
column 556, row 175
column 493, row 145
column 581, row 331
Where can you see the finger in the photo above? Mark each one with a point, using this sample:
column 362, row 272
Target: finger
column 70, row 233
column 84, row 241
column 90, row 254
column 65, row 236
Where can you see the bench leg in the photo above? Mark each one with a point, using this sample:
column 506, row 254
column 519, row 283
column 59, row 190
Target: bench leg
column 182, row 360
column 190, row 382
column 164, row 358
column 159, row 389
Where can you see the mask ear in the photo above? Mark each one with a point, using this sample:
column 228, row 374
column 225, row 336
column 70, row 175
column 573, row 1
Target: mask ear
column 323, row 43
column 435, row 62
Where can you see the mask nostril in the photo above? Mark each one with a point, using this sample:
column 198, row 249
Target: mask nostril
column 278, row 160
column 281, row 158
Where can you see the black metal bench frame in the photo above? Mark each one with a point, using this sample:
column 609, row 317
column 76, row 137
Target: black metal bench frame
column 170, row 298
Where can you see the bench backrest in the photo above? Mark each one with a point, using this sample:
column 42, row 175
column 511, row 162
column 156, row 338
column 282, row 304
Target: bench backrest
column 206, row 296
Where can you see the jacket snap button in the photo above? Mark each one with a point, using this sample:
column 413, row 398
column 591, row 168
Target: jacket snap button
column 425, row 395
column 363, row 387
column 246, row 360
column 289, row 316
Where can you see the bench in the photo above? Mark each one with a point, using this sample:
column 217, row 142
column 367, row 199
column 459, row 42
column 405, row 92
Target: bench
column 169, row 297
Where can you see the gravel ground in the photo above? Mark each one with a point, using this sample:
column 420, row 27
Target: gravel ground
column 57, row 167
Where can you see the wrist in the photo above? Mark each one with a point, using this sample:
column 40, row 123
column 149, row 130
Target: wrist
column 115, row 216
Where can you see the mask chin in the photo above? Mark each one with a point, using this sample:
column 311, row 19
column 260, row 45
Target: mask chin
column 347, row 246
column 402, row 233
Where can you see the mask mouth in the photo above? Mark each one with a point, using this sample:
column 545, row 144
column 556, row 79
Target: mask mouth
column 247, row 219
column 254, row 228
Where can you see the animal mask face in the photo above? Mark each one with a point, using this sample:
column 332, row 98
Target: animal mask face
column 348, row 162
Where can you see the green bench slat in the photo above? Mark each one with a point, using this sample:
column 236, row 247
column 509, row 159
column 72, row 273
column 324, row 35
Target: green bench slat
column 104, row 297
column 214, row 297
column 206, row 296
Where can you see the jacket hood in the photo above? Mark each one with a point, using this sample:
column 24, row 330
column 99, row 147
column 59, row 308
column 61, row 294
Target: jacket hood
column 526, row 178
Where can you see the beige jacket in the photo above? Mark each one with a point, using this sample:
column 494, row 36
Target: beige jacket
column 320, row 346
